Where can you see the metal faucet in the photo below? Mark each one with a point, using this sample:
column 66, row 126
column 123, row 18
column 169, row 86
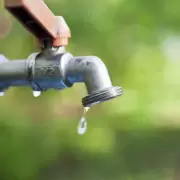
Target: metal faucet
column 53, row 67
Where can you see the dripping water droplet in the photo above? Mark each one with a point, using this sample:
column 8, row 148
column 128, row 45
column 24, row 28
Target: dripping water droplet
column 1, row 93
column 82, row 126
column 36, row 93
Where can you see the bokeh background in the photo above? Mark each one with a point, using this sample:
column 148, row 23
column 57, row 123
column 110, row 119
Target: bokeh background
column 134, row 137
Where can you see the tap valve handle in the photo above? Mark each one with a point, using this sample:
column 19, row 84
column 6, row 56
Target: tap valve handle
column 40, row 21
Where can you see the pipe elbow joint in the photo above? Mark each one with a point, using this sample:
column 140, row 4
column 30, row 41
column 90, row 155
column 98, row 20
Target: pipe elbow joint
column 93, row 72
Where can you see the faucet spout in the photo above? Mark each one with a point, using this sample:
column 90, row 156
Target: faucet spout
column 59, row 70
column 93, row 72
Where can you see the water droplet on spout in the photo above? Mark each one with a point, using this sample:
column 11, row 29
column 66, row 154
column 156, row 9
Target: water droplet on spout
column 36, row 93
column 82, row 126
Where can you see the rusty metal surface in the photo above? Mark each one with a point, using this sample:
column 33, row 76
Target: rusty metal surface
column 39, row 20
column 63, row 32
column 13, row 2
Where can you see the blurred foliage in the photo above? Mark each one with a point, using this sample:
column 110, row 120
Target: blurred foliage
column 134, row 137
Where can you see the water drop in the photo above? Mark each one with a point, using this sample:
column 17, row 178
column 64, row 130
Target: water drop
column 82, row 126
column 1, row 93
column 36, row 93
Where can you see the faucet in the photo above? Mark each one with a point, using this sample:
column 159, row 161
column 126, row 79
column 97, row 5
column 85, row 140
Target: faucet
column 53, row 67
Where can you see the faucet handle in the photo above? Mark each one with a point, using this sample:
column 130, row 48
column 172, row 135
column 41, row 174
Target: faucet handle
column 40, row 21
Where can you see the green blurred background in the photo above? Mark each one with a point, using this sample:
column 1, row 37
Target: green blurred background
column 134, row 137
